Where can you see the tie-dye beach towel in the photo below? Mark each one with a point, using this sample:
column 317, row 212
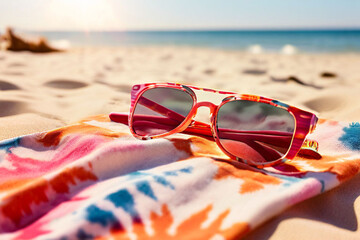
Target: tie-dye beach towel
column 93, row 180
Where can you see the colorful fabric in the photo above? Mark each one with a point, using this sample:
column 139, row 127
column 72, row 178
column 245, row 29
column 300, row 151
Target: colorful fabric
column 93, row 180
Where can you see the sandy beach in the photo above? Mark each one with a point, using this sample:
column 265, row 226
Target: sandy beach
column 45, row 91
column 68, row 172
column 40, row 92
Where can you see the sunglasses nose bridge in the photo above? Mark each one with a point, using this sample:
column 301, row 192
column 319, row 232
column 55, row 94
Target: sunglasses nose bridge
column 210, row 105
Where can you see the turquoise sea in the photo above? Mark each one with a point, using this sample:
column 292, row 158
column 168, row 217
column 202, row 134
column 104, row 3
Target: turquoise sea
column 337, row 40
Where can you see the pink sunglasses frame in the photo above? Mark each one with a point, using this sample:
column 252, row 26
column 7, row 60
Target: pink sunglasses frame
column 305, row 122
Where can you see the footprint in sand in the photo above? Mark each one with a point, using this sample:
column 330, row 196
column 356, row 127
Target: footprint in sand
column 189, row 68
column 13, row 73
column 16, row 64
column 5, row 86
column 166, row 57
column 209, row 71
column 100, row 75
column 256, row 72
column 118, row 60
column 11, row 108
column 324, row 104
column 108, row 68
column 65, row 84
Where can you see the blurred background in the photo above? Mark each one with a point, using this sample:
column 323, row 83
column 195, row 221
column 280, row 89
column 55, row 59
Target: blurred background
column 270, row 26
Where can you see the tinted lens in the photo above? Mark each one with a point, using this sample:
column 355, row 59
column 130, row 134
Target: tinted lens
column 254, row 131
column 160, row 110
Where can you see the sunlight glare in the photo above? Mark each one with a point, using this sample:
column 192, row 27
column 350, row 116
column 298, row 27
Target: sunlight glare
column 85, row 15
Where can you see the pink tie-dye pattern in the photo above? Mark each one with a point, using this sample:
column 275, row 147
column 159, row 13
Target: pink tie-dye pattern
column 71, row 150
column 96, row 197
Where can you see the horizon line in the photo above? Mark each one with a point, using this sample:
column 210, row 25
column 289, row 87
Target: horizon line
column 215, row 29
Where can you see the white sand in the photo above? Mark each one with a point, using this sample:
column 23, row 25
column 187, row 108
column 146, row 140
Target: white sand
column 42, row 92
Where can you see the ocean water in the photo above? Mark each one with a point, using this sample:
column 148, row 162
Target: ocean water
column 345, row 40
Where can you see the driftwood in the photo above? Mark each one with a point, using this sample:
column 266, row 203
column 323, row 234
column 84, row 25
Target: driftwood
column 16, row 43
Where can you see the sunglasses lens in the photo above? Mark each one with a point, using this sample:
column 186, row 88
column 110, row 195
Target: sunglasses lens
column 254, row 131
column 160, row 110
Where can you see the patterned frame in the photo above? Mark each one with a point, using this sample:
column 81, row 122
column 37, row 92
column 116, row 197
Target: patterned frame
column 305, row 122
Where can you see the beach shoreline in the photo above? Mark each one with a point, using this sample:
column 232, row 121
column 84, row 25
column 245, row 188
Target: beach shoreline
column 41, row 92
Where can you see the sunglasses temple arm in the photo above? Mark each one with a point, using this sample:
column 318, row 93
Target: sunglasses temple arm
column 203, row 130
column 308, row 149
column 119, row 117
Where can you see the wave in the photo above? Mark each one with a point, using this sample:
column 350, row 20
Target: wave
column 287, row 49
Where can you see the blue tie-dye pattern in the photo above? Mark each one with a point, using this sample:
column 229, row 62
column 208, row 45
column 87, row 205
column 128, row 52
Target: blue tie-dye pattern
column 288, row 181
column 124, row 200
column 138, row 174
column 144, row 185
column 322, row 185
column 159, row 178
column 186, row 170
column 145, row 188
column 163, row 181
column 96, row 215
column 170, row 174
column 7, row 144
column 351, row 136
column 176, row 172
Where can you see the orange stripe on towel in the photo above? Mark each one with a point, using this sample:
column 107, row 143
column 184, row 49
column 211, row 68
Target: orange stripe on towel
column 189, row 229
column 253, row 181
column 19, row 204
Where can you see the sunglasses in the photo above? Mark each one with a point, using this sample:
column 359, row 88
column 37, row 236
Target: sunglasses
column 256, row 130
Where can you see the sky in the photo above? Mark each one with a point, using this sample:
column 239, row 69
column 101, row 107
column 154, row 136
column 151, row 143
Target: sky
column 115, row 15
